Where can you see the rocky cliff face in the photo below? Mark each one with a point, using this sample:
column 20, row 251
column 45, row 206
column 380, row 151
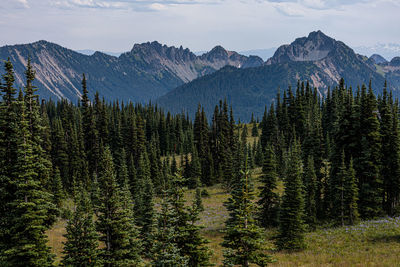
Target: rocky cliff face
column 315, row 47
column 147, row 71
column 332, row 58
column 154, row 57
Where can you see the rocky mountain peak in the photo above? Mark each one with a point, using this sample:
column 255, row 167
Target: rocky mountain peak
column 154, row 50
column 378, row 59
column 314, row 47
column 395, row 62
column 217, row 53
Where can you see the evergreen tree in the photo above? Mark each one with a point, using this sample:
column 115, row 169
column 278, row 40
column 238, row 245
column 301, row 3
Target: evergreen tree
column 165, row 252
column 338, row 192
column 90, row 132
column 8, row 152
column 368, row 164
column 115, row 222
column 291, row 229
column 57, row 189
column 144, row 207
column 310, row 183
column 351, row 214
column 243, row 241
column 198, row 200
column 269, row 198
column 254, row 129
column 188, row 238
column 32, row 209
column 390, row 161
column 81, row 247
column 42, row 163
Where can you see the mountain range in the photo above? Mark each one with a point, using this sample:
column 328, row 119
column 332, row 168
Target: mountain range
column 178, row 79
column 146, row 72
column 317, row 58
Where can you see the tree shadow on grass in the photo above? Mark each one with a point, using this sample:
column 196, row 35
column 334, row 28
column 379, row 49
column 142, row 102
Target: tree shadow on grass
column 386, row 239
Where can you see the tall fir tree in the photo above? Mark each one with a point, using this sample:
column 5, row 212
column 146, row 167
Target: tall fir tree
column 32, row 209
column 269, row 198
column 81, row 246
column 115, row 221
column 390, row 161
column 8, row 152
column 351, row 214
column 291, row 229
column 310, row 185
column 243, row 240
column 368, row 164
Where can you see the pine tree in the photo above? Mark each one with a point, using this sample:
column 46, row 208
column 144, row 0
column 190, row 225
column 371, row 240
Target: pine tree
column 32, row 209
column 291, row 229
column 42, row 163
column 60, row 153
column 8, row 152
column 188, row 238
column 144, row 204
column 195, row 171
column 338, row 192
column 390, row 161
column 310, row 183
column 351, row 214
column 95, row 194
column 57, row 189
column 198, row 200
column 178, row 239
column 90, row 133
column 165, row 252
column 115, row 222
column 254, row 129
column 197, row 251
column 269, row 198
column 81, row 247
column 243, row 241
column 368, row 164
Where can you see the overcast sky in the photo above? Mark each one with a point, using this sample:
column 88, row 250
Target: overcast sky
column 115, row 25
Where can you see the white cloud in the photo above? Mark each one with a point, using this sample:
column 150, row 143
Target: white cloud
column 137, row 5
column 321, row 4
column 290, row 9
column 15, row 4
column 115, row 25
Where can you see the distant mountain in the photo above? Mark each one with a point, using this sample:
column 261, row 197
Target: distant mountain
column 317, row 58
column 146, row 72
column 265, row 54
column 154, row 57
column 90, row 52
column 388, row 51
column 378, row 59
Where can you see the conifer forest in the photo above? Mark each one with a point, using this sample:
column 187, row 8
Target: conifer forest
column 133, row 184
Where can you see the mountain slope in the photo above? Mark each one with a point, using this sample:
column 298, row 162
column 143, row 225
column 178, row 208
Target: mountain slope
column 148, row 71
column 317, row 58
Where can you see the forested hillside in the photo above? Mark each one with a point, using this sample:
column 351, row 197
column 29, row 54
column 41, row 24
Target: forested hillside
column 125, row 170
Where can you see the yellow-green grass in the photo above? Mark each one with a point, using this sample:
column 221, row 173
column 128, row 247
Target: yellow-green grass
column 56, row 238
column 372, row 243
